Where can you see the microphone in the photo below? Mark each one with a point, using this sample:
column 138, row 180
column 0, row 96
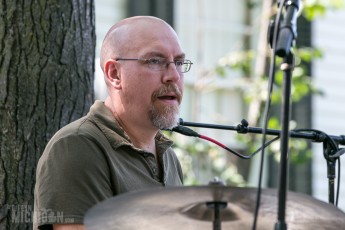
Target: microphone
column 185, row 131
column 288, row 29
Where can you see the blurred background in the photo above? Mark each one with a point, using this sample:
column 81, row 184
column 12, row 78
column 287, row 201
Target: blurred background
column 227, row 42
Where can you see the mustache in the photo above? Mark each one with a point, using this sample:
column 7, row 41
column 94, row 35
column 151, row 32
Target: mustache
column 168, row 88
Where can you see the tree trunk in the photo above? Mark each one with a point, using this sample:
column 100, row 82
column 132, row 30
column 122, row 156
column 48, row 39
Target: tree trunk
column 47, row 53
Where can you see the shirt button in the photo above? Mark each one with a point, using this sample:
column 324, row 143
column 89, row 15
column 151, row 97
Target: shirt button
column 146, row 154
column 154, row 170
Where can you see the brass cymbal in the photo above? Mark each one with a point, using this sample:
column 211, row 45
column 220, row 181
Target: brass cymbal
column 197, row 207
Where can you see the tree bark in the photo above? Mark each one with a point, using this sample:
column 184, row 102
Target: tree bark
column 47, row 53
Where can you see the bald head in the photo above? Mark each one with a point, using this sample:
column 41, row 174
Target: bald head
column 128, row 35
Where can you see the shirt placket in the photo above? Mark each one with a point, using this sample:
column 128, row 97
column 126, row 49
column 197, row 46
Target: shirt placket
column 151, row 161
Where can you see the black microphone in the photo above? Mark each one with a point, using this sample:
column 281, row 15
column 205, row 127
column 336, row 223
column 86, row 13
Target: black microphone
column 185, row 131
column 288, row 29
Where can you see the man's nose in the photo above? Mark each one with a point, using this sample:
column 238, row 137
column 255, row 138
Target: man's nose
column 172, row 73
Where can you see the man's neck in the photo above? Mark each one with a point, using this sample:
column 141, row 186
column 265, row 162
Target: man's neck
column 141, row 133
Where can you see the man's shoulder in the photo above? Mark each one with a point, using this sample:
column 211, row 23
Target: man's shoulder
column 77, row 132
column 81, row 127
column 77, row 139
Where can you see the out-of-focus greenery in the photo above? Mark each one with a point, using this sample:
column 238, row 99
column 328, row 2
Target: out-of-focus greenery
column 317, row 8
column 202, row 162
column 254, row 87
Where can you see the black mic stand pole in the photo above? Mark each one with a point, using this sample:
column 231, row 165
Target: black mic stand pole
column 286, row 36
column 287, row 66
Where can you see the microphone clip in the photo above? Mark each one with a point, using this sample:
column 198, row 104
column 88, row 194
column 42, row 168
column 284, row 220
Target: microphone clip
column 243, row 127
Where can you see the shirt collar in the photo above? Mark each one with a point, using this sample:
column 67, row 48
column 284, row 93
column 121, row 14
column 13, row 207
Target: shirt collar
column 110, row 127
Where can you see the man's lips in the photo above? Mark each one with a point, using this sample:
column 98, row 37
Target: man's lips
column 167, row 97
column 168, row 93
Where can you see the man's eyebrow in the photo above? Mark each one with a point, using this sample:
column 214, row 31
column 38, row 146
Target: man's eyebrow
column 159, row 54
column 180, row 56
column 153, row 54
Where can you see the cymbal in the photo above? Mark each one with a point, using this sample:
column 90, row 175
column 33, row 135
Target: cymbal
column 204, row 207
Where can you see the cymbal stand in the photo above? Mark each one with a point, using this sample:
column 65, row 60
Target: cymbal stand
column 217, row 206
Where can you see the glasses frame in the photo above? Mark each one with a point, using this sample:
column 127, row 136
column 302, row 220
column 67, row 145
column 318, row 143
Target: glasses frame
column 161, row 67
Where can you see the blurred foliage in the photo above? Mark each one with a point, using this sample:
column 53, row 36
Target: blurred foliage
column 253, row 88
column 316, row 8
column 203, row 162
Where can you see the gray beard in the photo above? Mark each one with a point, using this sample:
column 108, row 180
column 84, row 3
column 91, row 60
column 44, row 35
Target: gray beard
column 167, row 118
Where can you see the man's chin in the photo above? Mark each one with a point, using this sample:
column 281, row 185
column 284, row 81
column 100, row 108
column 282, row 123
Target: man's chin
column 165, row 122
column 164, row 117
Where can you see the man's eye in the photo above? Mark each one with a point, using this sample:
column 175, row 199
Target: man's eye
column 178, row 63
column 155, row 61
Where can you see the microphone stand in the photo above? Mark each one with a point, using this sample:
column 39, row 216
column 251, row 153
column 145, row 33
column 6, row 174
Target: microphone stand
column 287, row 34
column 287, row 67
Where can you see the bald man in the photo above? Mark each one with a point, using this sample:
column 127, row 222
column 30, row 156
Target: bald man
column 117, row 147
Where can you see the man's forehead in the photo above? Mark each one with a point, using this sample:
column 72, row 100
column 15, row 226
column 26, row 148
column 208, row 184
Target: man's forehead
column 155, row 43
column 137, row 25
column 145, row 36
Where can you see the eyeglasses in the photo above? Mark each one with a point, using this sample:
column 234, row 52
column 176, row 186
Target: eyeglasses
column 160, row 64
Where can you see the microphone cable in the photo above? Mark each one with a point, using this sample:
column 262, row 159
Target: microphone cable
column 189, row 132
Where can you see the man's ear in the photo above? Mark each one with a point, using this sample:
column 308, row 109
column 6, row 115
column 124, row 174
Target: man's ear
column 112, row 73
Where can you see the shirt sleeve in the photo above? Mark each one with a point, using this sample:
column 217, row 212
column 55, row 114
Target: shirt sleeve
column 72, row 176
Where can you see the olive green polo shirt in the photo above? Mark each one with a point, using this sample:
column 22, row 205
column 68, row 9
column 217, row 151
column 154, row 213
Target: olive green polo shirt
column 93, row 159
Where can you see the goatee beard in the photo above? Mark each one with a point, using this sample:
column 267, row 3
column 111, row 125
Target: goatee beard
column 165, row 117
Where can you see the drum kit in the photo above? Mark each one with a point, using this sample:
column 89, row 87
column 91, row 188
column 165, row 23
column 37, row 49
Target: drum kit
column 209, row 207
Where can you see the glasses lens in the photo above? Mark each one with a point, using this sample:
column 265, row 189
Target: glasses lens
column 156, row 63
column 186, row 66
column 159, row 64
